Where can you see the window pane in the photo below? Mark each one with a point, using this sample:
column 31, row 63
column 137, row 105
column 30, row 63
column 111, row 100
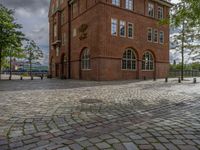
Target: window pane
column 114, row 26
column 122, row 28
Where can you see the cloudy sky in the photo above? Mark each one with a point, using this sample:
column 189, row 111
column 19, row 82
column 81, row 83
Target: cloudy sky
column 33, row 15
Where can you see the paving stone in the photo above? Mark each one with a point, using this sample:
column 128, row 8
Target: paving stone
column 103, row 145
column 130, row 146
column 112, row 141
column 76, row 147
column 159, row 146
column 170, row 146
column 187, row 147
column 177, row 142
column 146, row 147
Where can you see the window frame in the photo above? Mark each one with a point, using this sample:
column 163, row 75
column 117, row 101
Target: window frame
column 128, row 5
column 163, row 37
column 133, row 60
column 155, row 30
column 116, row 2
column 149, row 61
column 153, row 9
column 148, row 34
column 114, row 26
column 122, row 25
column 161, row 11
column 85, row 59
column 129, row 23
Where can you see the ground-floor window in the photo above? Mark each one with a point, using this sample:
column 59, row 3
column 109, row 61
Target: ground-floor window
column 147, row 61
column 85, row 59
column 129, row 60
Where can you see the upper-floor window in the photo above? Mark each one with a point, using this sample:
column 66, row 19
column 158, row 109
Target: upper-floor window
column 122, row 28
column 130, row 30
column 129, row 4
column 151, row 9
column 116, row 2
column 161, row 37
column 114, row 25
column 155, row 37
column 160, row 12
column 149, row 34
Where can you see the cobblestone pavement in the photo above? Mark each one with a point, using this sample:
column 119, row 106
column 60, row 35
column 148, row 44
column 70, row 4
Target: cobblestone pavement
column 83, row 115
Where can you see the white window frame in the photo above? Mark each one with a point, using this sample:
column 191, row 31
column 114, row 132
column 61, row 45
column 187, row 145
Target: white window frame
column 151, row 35
column 151, row 8
column 148, row 62
column 132, row 27
column 133, row 59
column 155, row 34
column 161, row 34
column 161, row 12
column 114, row 25
column 129, row 4
column 85, row 60
column 116, row 2
column 122, row 24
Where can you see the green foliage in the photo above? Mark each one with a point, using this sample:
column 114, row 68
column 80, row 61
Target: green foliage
column 186, row 10
column 32, row 52
column 10, row 36
column 191, row 66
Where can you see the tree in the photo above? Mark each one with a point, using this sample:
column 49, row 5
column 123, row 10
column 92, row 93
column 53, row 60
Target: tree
column 33, row 53
column 188, row 35
column 10, row 34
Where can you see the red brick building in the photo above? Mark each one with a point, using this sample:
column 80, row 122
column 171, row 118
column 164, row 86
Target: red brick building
column 108, row 39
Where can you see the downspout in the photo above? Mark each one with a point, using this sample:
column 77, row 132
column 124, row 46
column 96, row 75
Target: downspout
column 69, row 38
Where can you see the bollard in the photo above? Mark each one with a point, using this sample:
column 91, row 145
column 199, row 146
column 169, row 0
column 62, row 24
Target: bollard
column 194, row 80
column 166, row 79
column 31, row 77
column 9, row 77
column 21, row 78
column 144, row 77
column 179, row 80
column 154, row 78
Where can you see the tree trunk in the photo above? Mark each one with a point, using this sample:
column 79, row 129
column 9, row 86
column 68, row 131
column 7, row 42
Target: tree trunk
column 30, row 68
column 182, row 51
column 0, row 62
column 10, row 66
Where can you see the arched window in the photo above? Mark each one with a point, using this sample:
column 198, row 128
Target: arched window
column 147, row 61
column 129, row 60
column 85, row 59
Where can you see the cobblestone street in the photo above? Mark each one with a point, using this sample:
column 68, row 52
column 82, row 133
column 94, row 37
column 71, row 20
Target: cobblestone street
column 88, row 115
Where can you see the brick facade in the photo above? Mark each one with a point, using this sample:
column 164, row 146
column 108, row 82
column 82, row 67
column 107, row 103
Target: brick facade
column 86, row 24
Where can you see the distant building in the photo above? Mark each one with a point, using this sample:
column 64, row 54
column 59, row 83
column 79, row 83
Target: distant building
column 108, row 39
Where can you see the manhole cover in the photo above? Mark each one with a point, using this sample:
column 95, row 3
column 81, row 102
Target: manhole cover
column 90, row 101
